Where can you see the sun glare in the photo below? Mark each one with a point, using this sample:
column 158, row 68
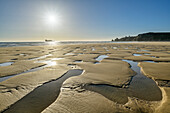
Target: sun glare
column 52, row 43
column 52, row 19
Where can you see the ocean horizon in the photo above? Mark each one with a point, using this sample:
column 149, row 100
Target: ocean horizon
column 18, row 44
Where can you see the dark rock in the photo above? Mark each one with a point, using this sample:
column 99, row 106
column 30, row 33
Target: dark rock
column 151, row 36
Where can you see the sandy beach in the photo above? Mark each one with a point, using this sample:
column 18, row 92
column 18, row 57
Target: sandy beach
column 86, row 78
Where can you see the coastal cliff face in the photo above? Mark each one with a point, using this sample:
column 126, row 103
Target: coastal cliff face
column 147, row 37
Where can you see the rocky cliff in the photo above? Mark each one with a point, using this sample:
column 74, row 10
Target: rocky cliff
column 151, row 36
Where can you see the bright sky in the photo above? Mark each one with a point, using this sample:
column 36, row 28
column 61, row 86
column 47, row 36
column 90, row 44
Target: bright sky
column 33, row 20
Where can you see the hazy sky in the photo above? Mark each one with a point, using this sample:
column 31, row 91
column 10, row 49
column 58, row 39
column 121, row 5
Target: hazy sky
column 26, row 20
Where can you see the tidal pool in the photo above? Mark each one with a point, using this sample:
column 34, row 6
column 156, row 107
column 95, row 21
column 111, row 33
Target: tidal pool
column 139, row 86
column 42, row 96
column 101, row 57
column 6, row 63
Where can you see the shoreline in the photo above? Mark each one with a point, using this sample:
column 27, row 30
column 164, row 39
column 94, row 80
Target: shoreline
column 56, row 43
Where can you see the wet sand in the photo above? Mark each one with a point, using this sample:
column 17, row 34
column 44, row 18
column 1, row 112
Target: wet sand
column 118, row 77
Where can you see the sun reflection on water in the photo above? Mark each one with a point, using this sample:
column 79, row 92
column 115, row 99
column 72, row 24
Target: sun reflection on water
column 51, row 63
column 48, row 62
column 53, row 43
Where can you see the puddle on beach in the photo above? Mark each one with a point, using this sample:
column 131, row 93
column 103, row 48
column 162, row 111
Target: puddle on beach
column 114, row 47
column 57, row 58
column 140, row 87
column 72, row 65
column 105, row 48
column 84, row 49
column 146, row 53
column 6, row 64
column 150, row 61
column 139, row 50
column 93, row 49
column 69, row 54
column 31, row 70
column 22, row 54
column 137, row 54
column 154, row 56
column 78, row 61
column 96, row 62
column 48, row 63
column 101, row 57
column 43, row 96
column 145, row 50
column 37, row 58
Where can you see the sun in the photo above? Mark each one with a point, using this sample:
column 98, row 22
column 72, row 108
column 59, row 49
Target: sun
column 52, row 19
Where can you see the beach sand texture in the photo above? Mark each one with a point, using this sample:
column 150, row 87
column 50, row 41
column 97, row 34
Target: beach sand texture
column 86, row 78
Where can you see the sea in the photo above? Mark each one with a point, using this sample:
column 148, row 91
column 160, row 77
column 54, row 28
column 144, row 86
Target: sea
column 18, row 44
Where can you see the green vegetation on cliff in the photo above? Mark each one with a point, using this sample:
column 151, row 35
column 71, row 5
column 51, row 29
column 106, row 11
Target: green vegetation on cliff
column 151, row 36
